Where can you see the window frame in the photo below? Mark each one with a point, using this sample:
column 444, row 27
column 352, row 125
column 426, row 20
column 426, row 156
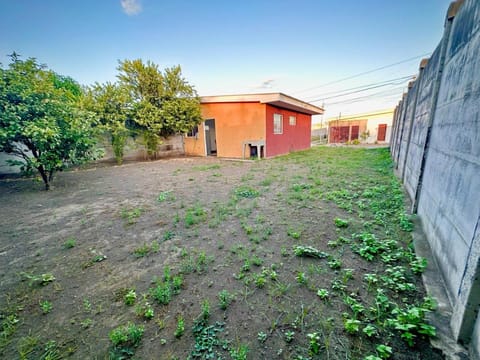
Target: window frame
column 192, row 133
column 277, row 117
column 294, row 122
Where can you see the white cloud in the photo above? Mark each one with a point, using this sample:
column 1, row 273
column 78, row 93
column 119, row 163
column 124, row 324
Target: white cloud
column 266, row 84
column 131, row 7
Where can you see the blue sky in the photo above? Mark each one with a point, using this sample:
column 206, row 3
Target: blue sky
column 227, row 47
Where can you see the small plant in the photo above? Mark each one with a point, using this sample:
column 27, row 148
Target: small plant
column 301, row 278
column 145, row 310
column 124, row 339
column 314, row 341
column 262, row 336
column 308, row 251
column 69, row 243
column 352, row 326
column 246, row 192
column 294, row 234
column 205, row 309
column 370, row 330
column 406, row 223
column 162, row 293
column 224, row 298
column 384, row 351
column 418, row 265
column 240, row 353
column 334, row 263
column 323, row 294
column 142, row 251
column 260, row 280
column 130, row 297
column 289, row 336
column 341, row 223
column 42, row 279
column 165, row 196
column 46, row 306
column 180, row 327
column 131, row 215
column 86, row 323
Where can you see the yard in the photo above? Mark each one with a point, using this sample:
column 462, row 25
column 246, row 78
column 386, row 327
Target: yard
column 305, row 256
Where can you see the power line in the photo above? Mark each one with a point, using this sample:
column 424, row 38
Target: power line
column 349, row 101
column 363, row 73
column 364, row 89
column 385, row 82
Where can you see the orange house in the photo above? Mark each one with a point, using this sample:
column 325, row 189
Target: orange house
column 259, row 125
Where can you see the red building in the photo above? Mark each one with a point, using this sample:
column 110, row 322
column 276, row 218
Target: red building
column 241, row 126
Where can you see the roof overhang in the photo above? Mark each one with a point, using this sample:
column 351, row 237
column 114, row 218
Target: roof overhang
column 274, row 99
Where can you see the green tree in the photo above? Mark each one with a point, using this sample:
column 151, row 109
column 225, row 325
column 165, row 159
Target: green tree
column 164, row 103
column 112, row 105
column 40, row 120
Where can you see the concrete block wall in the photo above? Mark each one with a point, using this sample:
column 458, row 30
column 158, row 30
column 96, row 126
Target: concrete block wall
column 436, row 149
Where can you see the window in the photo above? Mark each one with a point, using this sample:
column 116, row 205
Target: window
column 193, row 132
column 277, row 124
column 292, row 120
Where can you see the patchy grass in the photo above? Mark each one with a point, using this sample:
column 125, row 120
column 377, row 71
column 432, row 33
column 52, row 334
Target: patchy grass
column 305, row 256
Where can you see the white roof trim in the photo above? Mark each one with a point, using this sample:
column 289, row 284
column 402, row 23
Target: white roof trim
column 275, row 99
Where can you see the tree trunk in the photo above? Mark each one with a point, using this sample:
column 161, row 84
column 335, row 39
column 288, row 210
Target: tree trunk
column 44, row 176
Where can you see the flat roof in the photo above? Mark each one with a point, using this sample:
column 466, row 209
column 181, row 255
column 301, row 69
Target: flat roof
column 275, row 99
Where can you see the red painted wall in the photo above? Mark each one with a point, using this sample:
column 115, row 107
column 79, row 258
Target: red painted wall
column 294, row 138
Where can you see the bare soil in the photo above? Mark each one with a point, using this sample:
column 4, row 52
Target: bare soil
column 198, row 217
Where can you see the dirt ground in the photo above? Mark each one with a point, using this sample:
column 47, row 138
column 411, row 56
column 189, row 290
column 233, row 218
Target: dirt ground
column 221, row 226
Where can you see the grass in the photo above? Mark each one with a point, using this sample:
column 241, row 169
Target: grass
column 307, row 255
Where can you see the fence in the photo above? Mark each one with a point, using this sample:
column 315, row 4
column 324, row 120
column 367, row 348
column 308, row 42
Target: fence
column 436, row 148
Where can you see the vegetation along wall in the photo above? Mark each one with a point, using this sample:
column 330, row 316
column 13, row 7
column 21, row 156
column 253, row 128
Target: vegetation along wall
column 436, row 149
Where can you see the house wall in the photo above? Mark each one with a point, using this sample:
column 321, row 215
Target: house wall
column 361, row 123
column 372, row 128
column 294, row 138
column 234, row 124
column 438, row 160
column 195, row 146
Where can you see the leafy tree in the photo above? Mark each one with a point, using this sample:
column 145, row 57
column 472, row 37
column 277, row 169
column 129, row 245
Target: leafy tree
column 40, row 120
column 164, row 103
column 111, row 103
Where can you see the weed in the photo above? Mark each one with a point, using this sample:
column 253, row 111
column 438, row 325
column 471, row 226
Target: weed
column 262, row 336
column 334, row 263
column 406, row 223
column 46, row 306
column 142, row 251
column 162, row 293
column 418, row 265
column 26, row 345
column 301, row 278
column 87, row 306
column 309, row 251
column 195, row 215
column 384, row 351
column 314, row 342
column 180, row 327
column 86, row 323
column 289, row 336
column 131, row 215
column 294, row 234
column 42, row 279
column 169, row 235
column 352, row 326
column 125, row 339
column 145, row 310
column 224, row 298
column 240, row 353
column 69, row 243
column 246, row 192
column 323, row 294
column 130, row 297
column 370, row 330
column 341, row 223
column 166, row 196
column 51, row 351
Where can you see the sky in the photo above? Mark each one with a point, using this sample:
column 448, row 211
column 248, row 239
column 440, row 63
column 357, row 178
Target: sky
column 303, row 48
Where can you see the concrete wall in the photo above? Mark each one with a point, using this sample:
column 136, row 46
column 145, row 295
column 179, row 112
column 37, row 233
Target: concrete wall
column 436, row 148
column 135, row 150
